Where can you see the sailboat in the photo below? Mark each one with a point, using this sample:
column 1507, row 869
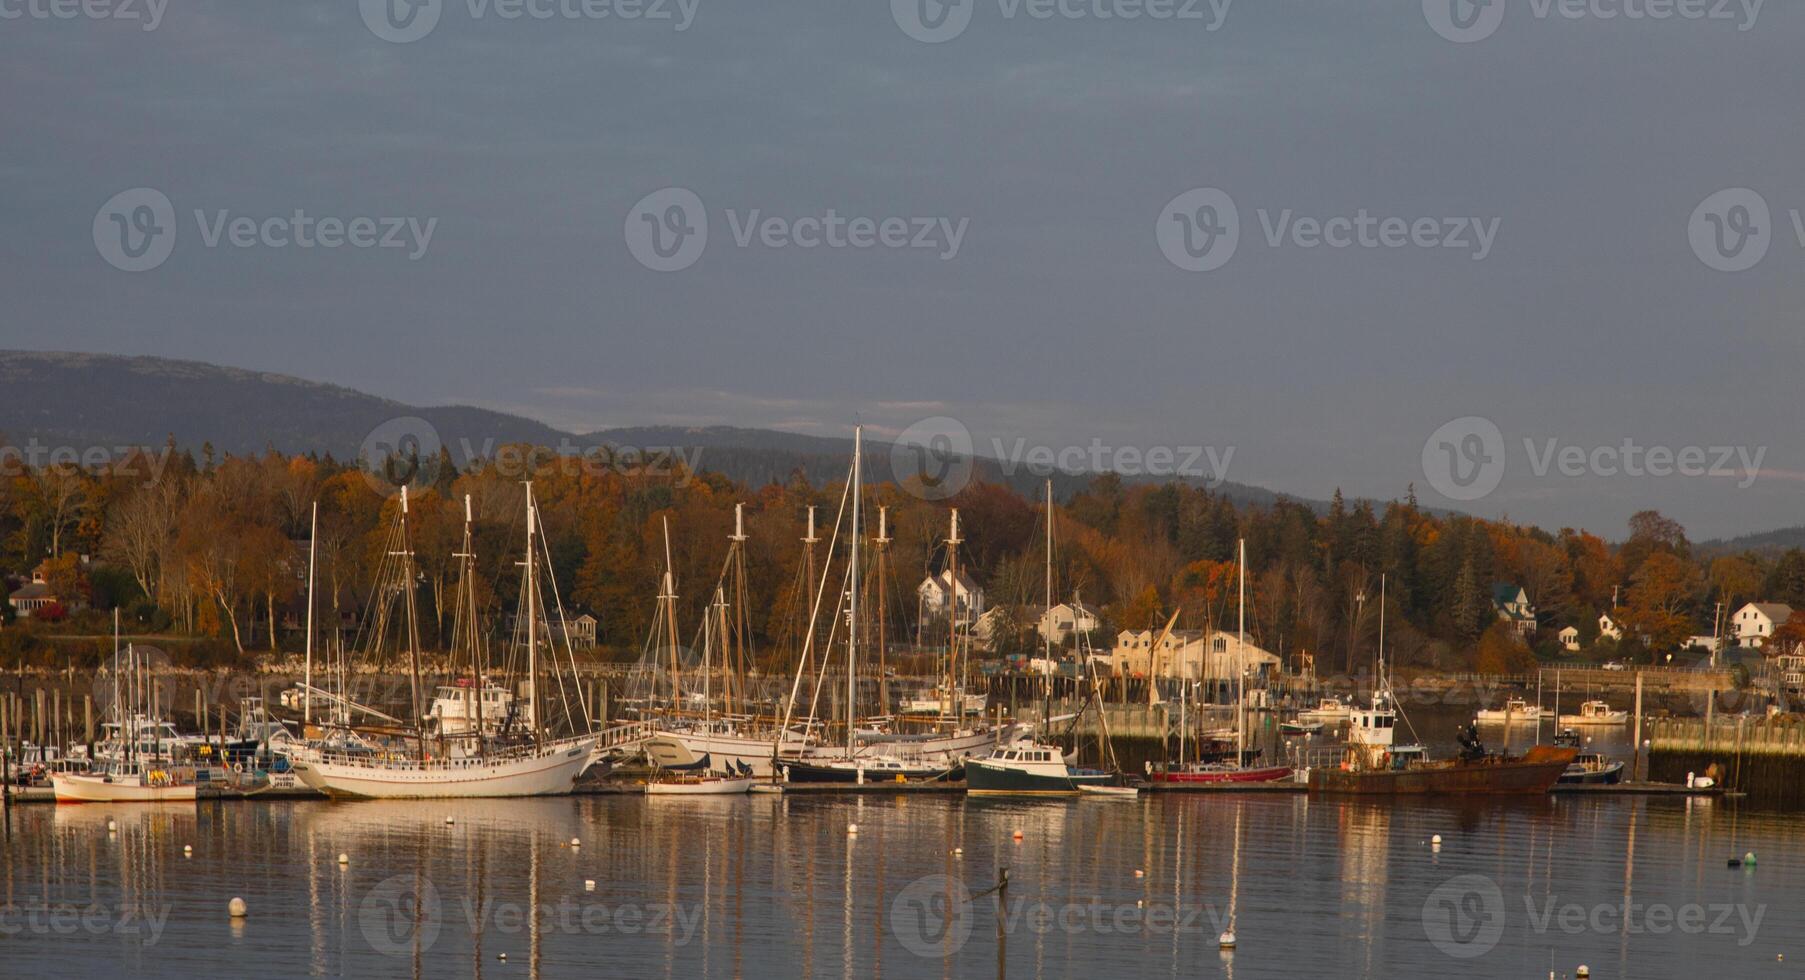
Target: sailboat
column 1373, row 763
column 137, row 767
column 520, row 756
column 1236, row 770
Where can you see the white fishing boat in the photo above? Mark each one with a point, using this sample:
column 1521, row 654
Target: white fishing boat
column 1516, row 711
column 1596, row 713
column 1326, row 710
column 517, row 753
column 124, row 782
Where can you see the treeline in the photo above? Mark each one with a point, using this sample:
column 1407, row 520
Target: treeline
column 218, row 548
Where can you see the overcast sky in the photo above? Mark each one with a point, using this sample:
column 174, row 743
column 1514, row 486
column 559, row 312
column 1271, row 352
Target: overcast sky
column 1047, row 150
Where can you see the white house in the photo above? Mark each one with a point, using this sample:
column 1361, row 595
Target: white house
column 937, row 592
column 1513, row 606
column 1193, row 654
column 33, row 597
column 1757, row 621
column 1700, row 642
column 1570, row 638
column 1608, row 627
column 1061, row 622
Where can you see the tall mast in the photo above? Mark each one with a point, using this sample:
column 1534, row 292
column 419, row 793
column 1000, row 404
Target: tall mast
column 532, row 616
column 1240, row 654
column 953, row 690
column 852, row 599
column 1382, row 630
column 736, row 674
column 808, row 546
column 883, row 568
column 668, row 596
column 313, row 537
column 466, row 612
column 413, row 623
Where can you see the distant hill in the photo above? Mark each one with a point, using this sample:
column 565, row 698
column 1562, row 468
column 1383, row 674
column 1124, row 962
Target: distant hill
column 80, row 400
column 1766, row 543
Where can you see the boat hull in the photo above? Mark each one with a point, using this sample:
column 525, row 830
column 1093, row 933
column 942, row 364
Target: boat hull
column 684, row 750
column 84, row 788
column 1263, row 774
column 983, row 778
column 1529, row 775
column 549, row 773
column 1614, row 719
column 738, row 786
column 1608, row 775
column 820, row 772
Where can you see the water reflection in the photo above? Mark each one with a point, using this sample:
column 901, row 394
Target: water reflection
column 773, row 886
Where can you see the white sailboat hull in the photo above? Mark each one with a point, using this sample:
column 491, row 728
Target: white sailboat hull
column 86, row 788
column 550, row 772
column 679, row 750
column 706, row 787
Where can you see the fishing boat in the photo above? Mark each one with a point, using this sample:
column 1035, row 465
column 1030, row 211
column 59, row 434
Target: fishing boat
column 866, row 768
column 125, row 782
column 1588, row 768
column 1596, row 713
column 1327, row 710
column 1516, row 711
column 1374, row 763
column 1240, row 768
column 1031, row 769
column 521, row 755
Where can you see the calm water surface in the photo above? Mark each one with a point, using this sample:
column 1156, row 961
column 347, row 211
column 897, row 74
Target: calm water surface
column 770, row 886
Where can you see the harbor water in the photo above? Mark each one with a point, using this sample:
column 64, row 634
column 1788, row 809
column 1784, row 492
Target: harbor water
column 895, row 886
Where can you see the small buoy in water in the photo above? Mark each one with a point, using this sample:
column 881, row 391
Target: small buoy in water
column 1226, row 940
column 449, row 821
column 344, row 859
column 576, row 842
column 236, row 908
column 1138, row 873
column 1018, row 835
column 112, row 828
column 1140, row 903
column 187, row 849
column 1583, row 971
column 501, row 956
column 589, row 884
column 1436, row 840
column 852, row 829
column 958, row 852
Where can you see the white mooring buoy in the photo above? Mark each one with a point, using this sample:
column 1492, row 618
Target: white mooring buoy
column 236, row 908
column 852, row 829
column 1226, row 940
column 112, row 828
column 1435, row 840
column 589, row 884
column 344, row 859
